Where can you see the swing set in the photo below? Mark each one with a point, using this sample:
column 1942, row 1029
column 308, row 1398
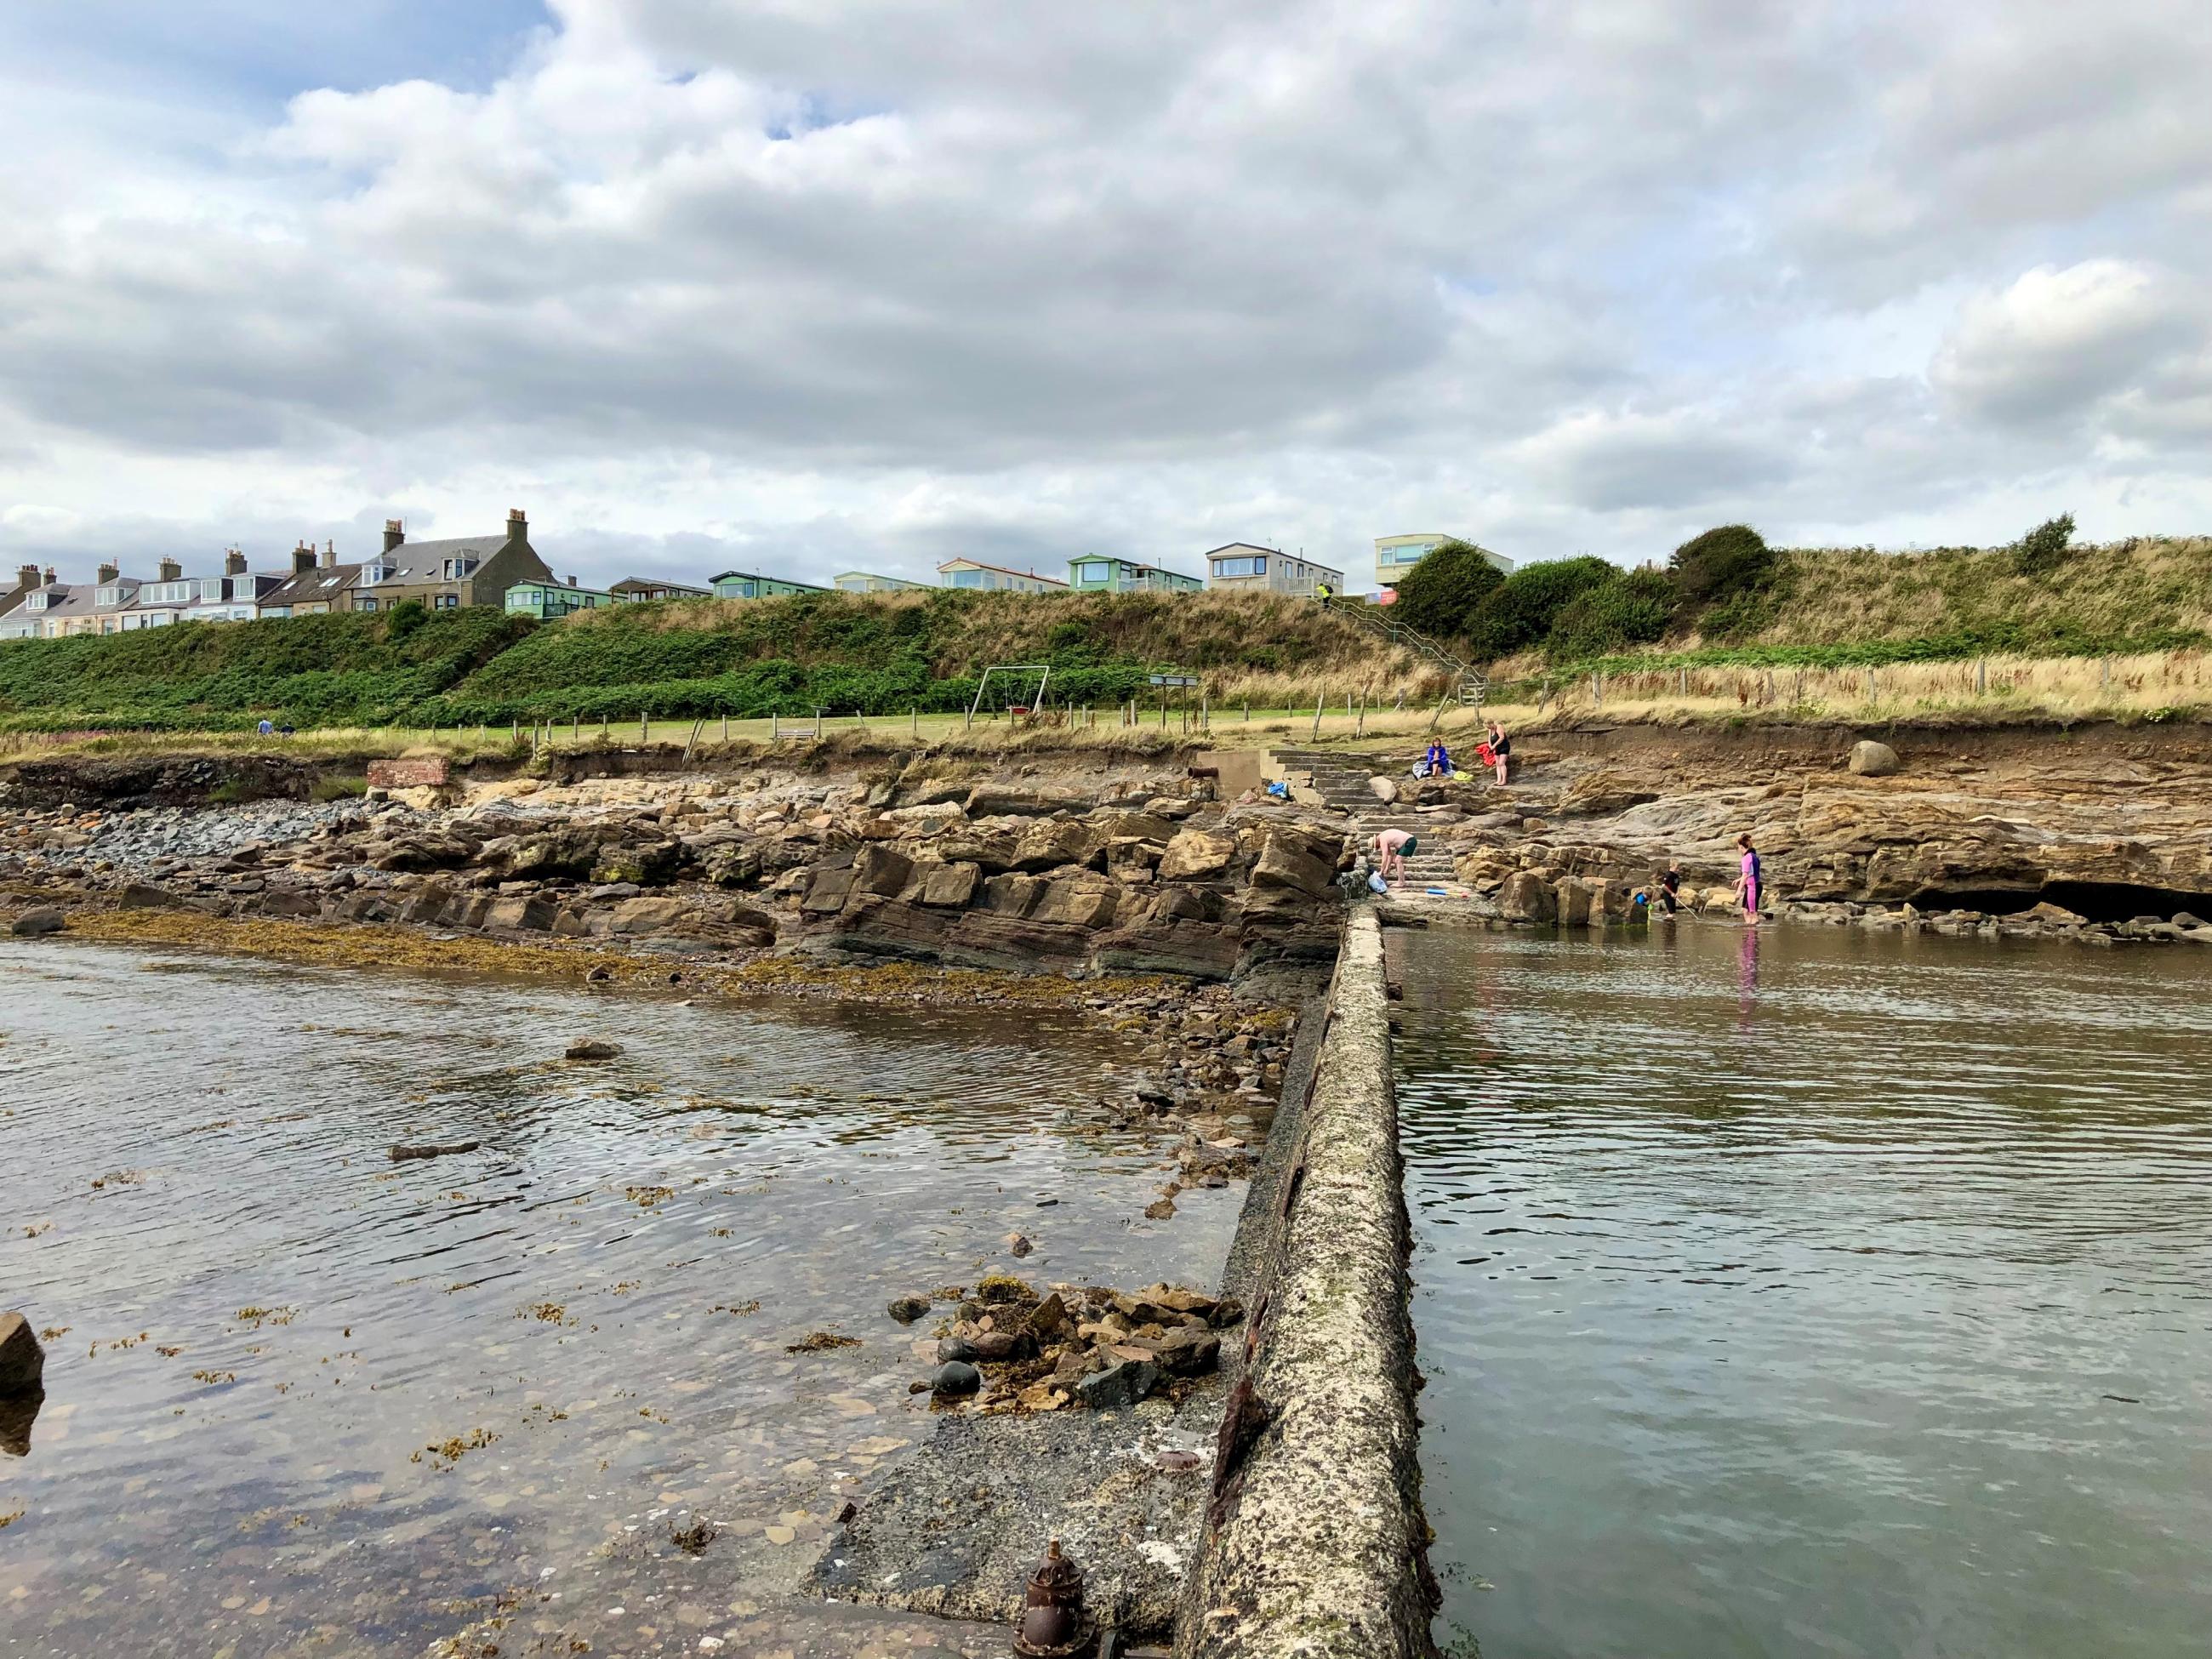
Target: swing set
column 1017, row 701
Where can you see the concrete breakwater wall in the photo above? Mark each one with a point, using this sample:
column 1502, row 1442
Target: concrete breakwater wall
column 1315, row 1544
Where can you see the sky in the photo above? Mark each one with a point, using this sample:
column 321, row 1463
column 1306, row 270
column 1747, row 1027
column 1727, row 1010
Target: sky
column 817, row 285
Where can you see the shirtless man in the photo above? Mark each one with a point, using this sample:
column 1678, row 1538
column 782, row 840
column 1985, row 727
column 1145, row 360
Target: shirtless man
column 1391, row 847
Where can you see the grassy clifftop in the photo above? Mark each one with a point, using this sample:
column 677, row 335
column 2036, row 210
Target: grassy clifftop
column 878, row 654
column 310, row 670
column 884, row 654
column 2128, row 590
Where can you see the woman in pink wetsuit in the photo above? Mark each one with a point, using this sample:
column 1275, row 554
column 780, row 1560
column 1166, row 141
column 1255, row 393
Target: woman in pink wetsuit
column 1749, row 883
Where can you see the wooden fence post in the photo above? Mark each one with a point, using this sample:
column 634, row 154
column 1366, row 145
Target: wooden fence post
column 1871, row 690
column 641, row 725
column 1360, row 731
column 1319, row 703
column 1981, row 676
column 1597, row 690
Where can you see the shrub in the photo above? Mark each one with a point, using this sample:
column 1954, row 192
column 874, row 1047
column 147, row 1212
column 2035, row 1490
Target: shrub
column 1520, row 611
column 2043, row 546
column 1632, row 609
column 404, row 618
column 1439, row 595
column 1724, row 561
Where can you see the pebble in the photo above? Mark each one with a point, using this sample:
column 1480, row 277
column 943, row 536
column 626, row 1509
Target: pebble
column 955, row 1377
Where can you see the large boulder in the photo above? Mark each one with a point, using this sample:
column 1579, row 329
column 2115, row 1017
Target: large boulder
column 950, row 886
column 1571, row 897
column 1057, row 842
column 1384, row 789
column 38, row 923
column 1078, row 899
column 1870, row 759
column 1289, row 860
column 1195, row 854
column 22, row 1361
column 877, row 869
column 1526, row 896
column 520, row 911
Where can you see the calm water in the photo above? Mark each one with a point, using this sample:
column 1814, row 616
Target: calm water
column 308, row 1401
column 1810, row 1293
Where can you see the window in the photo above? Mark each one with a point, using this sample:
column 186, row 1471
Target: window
column 969, row 579
column 1240, row 567
column 446, row 602
column 368, row 602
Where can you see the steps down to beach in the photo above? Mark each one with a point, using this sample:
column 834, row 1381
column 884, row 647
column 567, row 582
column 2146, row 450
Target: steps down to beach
column 1341, row 780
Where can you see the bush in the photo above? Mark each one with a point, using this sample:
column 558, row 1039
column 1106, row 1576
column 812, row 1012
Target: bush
column 404, row 618
column 2043, row 546
column 1520, row 611
column 1632, row 609
column 1439, row 595
column 1724, row 562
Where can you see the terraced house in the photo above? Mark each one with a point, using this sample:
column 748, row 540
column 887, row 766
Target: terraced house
column 23, row 607
column 314, row 587
column 447, row 574
column 173, row 597
column 96, row 607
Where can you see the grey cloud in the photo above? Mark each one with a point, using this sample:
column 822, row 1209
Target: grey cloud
column 1028, row 281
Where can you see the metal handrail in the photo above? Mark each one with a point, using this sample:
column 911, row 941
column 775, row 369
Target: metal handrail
column 1398, row 633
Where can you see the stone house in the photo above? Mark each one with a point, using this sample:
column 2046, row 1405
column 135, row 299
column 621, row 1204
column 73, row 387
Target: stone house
column 451, row 574
column 314, row 586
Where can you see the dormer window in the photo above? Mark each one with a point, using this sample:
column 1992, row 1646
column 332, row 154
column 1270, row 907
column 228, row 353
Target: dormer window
column 37, row 601
column 108, row 597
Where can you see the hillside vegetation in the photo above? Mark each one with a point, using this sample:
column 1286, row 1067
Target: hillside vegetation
column 875, row 655
column 308, row 670
column 1723, row 600
column 1725, row 597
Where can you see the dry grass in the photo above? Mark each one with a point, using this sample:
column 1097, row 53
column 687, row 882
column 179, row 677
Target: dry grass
column 1841, row 595
column 2154, row 684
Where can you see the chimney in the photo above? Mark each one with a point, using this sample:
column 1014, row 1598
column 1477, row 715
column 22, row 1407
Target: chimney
column 303, row 559
column 572, row 582
column 233, row 563
column 170, row 570
column 330, row 556
column 518, row 527
column 394, row 535
column 50, row 575
column 110, row 571
column 26, row 578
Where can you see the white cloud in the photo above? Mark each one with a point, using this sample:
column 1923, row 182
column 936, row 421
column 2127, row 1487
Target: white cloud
column 860, row 282
column 2056, row 341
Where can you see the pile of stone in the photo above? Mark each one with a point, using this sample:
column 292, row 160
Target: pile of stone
column 1022, row 1349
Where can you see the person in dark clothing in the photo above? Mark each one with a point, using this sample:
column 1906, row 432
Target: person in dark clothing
column 1500, row 747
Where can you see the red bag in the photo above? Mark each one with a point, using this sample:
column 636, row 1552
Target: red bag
column 1485, row 754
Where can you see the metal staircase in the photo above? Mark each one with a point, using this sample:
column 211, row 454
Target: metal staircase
column 1468, row 685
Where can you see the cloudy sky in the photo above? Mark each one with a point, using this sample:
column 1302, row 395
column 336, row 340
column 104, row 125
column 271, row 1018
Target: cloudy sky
column 814, row 284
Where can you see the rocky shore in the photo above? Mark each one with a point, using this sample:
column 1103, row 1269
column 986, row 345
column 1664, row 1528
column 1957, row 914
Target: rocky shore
column 1132, row 871
column 2104, row 841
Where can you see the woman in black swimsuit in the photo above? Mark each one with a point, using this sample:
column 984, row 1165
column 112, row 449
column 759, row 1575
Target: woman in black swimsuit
column 1500, row 747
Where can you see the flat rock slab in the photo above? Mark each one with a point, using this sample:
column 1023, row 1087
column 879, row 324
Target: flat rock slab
column 957, row 1529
